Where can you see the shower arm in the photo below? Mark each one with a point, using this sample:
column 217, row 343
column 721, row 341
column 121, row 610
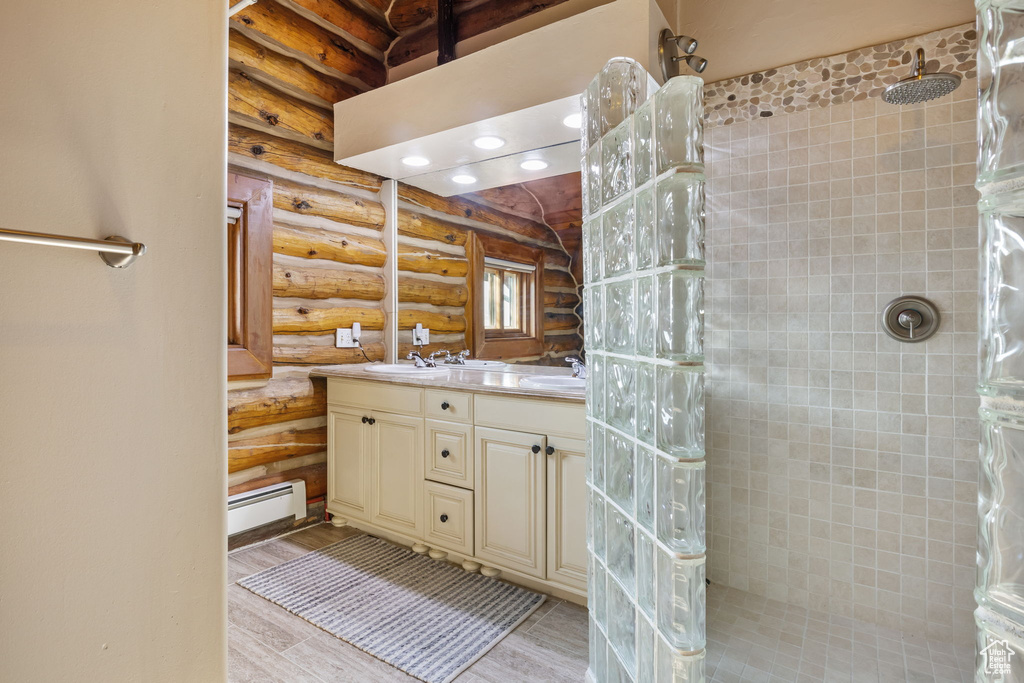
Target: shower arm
column 919, row 68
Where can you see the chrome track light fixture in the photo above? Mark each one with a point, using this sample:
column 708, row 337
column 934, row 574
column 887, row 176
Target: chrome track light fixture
column 673, row 49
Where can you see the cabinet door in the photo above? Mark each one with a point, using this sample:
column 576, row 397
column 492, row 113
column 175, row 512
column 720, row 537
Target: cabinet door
column 397, row 476
column 348, row 465
column 567, row 512
column 510, row 499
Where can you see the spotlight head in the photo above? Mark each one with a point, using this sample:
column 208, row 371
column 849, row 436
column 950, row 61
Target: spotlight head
column 686, row 44
column 696, row 63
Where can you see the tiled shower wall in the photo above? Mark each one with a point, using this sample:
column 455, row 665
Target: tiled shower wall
column 842, row 465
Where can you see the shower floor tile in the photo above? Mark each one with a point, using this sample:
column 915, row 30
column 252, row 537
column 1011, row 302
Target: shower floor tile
column 752, row 639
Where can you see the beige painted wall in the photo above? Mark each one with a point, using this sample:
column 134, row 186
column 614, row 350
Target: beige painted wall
column 112, row 383
column 742, row 36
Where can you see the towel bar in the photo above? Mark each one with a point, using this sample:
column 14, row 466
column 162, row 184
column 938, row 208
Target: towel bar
column 116, row 251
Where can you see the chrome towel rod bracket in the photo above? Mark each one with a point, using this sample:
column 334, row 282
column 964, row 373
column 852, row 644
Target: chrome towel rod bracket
column 116, row 251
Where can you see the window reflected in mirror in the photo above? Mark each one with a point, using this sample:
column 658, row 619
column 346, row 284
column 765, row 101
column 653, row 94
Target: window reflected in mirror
column 507, row 295
column 506, row 304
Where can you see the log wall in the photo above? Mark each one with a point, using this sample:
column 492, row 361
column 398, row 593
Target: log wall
column 289, row 60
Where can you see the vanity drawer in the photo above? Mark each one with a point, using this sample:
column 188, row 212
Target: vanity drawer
column 372, row 395
column 452, row 406
column 553, row 418
column 449, row 453
column 449, row 518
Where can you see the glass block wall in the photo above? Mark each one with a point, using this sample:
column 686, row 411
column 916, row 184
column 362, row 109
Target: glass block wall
column 643, row 241
column 1000, row 587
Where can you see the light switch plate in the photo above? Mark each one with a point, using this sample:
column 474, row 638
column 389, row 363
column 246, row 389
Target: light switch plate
column 343, row 338
column 421, row 337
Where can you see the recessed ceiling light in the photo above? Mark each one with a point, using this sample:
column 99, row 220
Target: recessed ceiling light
column 533, row 165
column 416, row 161
column 489, row 142
column 463, row 179
column 573, row 121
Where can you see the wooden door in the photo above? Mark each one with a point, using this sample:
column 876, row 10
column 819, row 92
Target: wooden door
column 348, row 466
column 510, row 499
column 567, row 512
column 397, row 473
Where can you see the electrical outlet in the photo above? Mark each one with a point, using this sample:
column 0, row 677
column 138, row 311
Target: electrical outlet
column 421, row 336
column 343, row 338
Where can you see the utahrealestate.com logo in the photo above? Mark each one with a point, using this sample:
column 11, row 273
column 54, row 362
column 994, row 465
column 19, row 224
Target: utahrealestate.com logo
column 996, row 658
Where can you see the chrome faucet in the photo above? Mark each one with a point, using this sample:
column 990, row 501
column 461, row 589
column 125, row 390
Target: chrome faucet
column 579, row 368
column 431, row 363
column 456, row 360
column 420, row 362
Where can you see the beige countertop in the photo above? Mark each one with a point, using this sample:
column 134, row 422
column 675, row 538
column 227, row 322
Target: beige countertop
column 503, row 381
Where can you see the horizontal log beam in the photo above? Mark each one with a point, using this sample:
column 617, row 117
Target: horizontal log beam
column 408, row 14
column 419, row 260
column 330, row 245
column 263, row 450
column 284, row 27
column 327, row 283
column 413, row 290
column 315, row 477
column 560, row 321
column 564, row 344
column 435, row 322
column 459, row 206
column 247, row 55
column 338, row 206
column 302, row 319
column 279, row 401
column 556, row 299
column 472, row 22
column 352, row 20
column 295, row 156
column 326, row 355
column 452, row 346
column 381, row 5
column 427, row 227
column 263, row 106
column 558, row 278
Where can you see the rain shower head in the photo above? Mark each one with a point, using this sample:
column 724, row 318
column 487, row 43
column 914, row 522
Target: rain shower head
column 921, row 86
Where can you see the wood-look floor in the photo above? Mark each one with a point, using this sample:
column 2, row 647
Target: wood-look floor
column 267, row 644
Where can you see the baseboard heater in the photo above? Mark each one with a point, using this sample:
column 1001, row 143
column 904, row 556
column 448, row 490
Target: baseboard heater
column 255, row 508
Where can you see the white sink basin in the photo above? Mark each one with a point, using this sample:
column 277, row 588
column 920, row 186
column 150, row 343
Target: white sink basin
column 406, row 370
column 482, row 365
column 552, row 382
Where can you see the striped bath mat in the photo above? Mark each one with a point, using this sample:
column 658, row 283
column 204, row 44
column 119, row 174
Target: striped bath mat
column 430, row 619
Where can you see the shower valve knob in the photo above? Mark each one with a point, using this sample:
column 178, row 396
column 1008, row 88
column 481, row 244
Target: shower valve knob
column 910, row 319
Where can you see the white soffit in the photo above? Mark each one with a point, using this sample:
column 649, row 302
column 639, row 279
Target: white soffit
column 519, row 90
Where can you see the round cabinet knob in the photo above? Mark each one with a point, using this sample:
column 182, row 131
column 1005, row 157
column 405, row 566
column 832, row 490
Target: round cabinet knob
column 444, row 518
column 550, row 450
column 365, row 419
column 535, row 449
column 445, row 453
column 444, row 405
column 372, row 420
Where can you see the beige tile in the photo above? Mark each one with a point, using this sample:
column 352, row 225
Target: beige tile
column 337, row 661
column 565, row 626
column 250, row 661
column 273, row 626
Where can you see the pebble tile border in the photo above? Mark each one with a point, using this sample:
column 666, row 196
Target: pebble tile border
column 847, row 77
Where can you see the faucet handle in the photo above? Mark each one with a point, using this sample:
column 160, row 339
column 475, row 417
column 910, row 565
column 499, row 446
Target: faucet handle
column 574, row 360
column 464, row 354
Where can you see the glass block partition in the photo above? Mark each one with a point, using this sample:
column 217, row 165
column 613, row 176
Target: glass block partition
column 1000, row 586
column 643, row 241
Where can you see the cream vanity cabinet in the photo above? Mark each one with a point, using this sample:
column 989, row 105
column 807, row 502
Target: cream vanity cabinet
column 492, row 480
